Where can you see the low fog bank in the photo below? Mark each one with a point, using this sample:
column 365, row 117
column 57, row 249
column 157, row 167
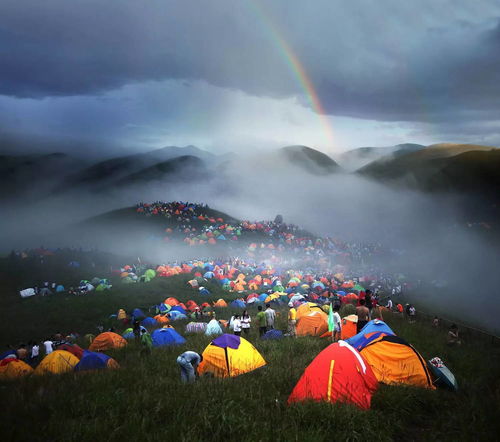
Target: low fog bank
column 426, row 229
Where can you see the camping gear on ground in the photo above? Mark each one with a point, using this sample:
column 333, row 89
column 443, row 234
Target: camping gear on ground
column 349, row 327
column 338, row 373
column 272, row 334
column 26, row 293
column 443, row 375
column 229, row 356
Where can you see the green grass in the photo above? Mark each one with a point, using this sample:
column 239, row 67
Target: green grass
column 145, row 400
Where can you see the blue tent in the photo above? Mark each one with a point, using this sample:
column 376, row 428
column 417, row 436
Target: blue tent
column 208, row 275
column 204, row 291
column 137, row 313
column 149, row 322
column 163, row 308
column 371, row 331
column 238, row 303
column 166, row 336
column 176, row 315
column 92, row 361
column 177, row 308
column 130, row 335
column 213, row 328
column 263, row 297
column 60, row 288
column 272, row 334
column 224, row 281
column 208, row 267
column 222, row 238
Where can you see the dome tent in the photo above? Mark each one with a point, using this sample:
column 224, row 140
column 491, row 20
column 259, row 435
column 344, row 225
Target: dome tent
column 166, row 336
column 229, row 356
column 338, row 373
column 95, row 361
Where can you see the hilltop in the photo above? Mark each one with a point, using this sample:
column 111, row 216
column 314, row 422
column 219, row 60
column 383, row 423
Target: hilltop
column 310, row 160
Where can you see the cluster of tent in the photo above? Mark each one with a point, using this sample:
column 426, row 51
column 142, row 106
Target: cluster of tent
column 349, row 371
column 67, row 358
column 128, row 275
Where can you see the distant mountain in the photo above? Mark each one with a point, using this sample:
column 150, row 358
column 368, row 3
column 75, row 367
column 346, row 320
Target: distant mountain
column 181, row 169
column 310, row 160
column 34, row 173
column 356, row 158
column 106, row 172
column 470, row 172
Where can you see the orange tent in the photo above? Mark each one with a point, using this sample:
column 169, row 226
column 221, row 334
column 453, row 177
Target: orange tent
column 171, row 301
column 349, row 327
column 161, row 319
column 107, row 340
column 12, row 368
column 313, row 324
column 220, row 303
column 306, row 308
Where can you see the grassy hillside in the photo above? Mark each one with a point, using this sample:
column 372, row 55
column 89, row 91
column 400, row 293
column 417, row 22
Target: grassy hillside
column 144, row 400
column 311, row 160
column 357, row 158
column 186, row 168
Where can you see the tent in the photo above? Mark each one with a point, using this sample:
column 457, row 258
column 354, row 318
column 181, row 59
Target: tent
column 74, row 349
column 394, row 361
column 107, row 340
column 213, row 328
column 26, row 293
column 229, row 356
column 13, row 368
column 374, row 329
column 175, row 315
column 238, row 303
column 313, row 324
column 57, row 362
column 166, row 336
column 220, row 303
column 171, row 301
column 272, row 334
column 306, row 308
column 178, row 308
column 196, row 327
column 338, row 373
column 137, row 313
column 129, row 332
column 95, row 361
column 149, row 322
column 349, row 327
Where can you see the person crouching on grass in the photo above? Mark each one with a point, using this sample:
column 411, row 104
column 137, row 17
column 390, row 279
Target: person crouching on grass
column 188, row 363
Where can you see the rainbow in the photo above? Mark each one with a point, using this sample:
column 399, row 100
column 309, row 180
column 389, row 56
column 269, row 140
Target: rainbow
column 297, row 68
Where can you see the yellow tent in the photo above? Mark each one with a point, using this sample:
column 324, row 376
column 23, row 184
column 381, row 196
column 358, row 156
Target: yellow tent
column 394, row 361
column 229, row 356
column 57, row 362
column 13, row 369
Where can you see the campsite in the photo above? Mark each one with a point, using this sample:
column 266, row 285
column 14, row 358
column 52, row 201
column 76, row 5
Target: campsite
column 249, row 220
column 270, row 384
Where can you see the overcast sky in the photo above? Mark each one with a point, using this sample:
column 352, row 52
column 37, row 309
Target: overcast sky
column 147, row 74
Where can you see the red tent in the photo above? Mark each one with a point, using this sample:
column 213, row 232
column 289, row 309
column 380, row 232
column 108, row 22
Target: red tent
column 338, row 373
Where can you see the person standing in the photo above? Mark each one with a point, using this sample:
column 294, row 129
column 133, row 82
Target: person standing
column 188, row 363
column 337, row 324
column 389, row 304
column 292, row 321
column 237, row 325
column 412, row 313
column 48, row 346
column 261, row 320
column 270, row 317
column 363, row 315
column 245, row 322
column 35, row 352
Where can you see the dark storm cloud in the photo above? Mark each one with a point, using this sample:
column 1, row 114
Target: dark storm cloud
column 424, row 61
